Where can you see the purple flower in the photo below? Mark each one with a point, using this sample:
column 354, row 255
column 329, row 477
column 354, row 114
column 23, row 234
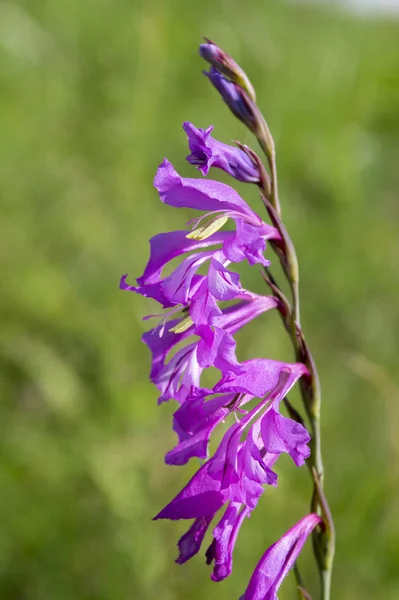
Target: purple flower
column 184, row 286
column 220, row 200
column 278, row 560
column 200, row 500
column 197, row 332
column 206, row 152
column 238, row 469
column 180, row 376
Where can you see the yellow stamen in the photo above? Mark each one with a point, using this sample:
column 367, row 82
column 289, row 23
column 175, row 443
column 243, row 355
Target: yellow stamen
column 183, row 325
column 205, row 231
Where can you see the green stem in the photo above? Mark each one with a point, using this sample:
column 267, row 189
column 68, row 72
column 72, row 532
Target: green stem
column 310, row 393
column 326, row 584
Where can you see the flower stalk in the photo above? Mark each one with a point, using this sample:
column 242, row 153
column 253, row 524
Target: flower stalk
column 196, row 332
column 323, row 538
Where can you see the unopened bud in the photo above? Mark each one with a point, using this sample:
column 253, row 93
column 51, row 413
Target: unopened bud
column 236, row 99
column 224, row 63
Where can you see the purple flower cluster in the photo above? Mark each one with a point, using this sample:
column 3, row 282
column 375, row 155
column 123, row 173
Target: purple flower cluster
column 196, row 332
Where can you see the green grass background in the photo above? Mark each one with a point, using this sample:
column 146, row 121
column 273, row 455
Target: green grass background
column 92, row 98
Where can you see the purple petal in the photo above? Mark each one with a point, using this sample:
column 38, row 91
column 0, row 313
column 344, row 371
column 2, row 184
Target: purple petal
column 217, row 348
column 281, row 434
column 224, row 285
column 166, row 246
column 161, row 342
column 278, row 560
column 178, row 287
column 190, row 543
column 203, row 307
column 255, row 467
column 153, row 290
column 225, row 534
column 194, row 422
column 207, row 152
column 249, row 242
column 200, row 194
column 200, row 498
column 260, row 376
column 235, row 317
column 179, row 376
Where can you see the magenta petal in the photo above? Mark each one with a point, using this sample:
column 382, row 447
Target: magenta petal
column 166, row 246
column 177, row 378
column 223, row 465
column 201, row 194
column 190, row 543
column 160, row 343
column 153, row 290
column 207, row 152
column 201, row 497
column 225, row 534
column 223, row 284
column 278, row 560
column 281, row 434
column 260, row 376
column 255, row 467
column 203, row 307
column 237, row 316
column 249, row 242
column 194, row 422
column 217, row 348
column 177, row 287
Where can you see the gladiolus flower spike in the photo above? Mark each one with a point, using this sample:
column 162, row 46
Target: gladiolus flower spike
column 203, row 305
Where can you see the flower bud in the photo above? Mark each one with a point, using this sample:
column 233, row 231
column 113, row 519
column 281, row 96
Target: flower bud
column 224, row 63
column 236, row 99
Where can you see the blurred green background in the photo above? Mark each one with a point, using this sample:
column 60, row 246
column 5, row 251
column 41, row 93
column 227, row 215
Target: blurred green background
column 93, row 97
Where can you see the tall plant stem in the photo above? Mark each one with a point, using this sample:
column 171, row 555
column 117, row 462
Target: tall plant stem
column 323, row 542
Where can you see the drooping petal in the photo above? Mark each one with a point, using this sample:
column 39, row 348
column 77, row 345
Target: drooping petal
column 190, row 543
column 217, row 348
column 201, row 497
column 278, row 560
column 220, row 552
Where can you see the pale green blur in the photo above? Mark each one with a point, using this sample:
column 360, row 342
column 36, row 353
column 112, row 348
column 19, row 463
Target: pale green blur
column 92, row 99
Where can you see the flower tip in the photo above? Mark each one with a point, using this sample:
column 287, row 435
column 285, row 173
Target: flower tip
column 209, row 51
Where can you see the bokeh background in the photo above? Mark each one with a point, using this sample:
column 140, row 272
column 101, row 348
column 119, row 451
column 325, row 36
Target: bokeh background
column 93, row 97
